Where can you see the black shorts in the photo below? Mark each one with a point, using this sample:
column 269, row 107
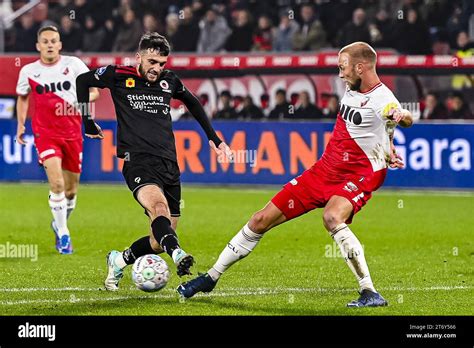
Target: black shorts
column 145, row 169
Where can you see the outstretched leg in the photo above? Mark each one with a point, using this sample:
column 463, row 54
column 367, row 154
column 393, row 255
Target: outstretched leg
column 338, row 210
column 239, row 247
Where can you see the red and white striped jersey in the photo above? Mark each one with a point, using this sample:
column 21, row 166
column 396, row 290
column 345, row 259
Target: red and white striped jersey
column 360, row 143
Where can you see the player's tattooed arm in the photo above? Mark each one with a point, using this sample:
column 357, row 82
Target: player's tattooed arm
column 21, row 111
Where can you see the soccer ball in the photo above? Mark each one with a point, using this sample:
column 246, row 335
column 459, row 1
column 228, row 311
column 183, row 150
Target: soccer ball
column 150, row 273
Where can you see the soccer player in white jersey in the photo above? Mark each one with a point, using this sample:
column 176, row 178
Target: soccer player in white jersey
column 353, row 166
column 56, row 123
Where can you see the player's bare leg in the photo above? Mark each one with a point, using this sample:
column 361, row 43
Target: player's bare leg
column 337, row 211
column 58, row 204
column 162, row 238
column 239, row 247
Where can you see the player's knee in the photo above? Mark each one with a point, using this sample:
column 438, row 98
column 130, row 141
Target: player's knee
column 57, row 185
column 158, row 209
column 70, row 194
column 331, row 219
column 259, row 223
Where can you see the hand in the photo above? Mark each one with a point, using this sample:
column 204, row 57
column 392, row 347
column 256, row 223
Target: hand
column 19, row 135
column 396, row 115
column 99, row 135
column 222, row 150
column 396, row 161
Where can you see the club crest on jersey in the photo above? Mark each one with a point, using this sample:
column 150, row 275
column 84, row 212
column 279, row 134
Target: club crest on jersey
column 364, row 102
column 164, row 84
column 130, row 83
column 350, row 187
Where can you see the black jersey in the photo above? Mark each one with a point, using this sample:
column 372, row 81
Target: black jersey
column 142, row 108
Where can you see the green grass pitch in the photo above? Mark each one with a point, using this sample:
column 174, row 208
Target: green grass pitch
column 419, row 248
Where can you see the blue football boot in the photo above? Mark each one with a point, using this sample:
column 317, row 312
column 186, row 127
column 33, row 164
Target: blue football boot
column 368, row 299
column 203, row 283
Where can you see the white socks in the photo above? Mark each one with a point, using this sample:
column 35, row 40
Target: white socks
column 239, row 247
column 58, row 205
column 353, row 254
column 71, row 204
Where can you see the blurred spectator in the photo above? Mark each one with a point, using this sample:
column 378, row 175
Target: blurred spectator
column 357, row 30
column 80, row 11
column 332, row 107
column 464, row 49
column 250, row 111
column 464, row 45
column 129, row 33
column 311, row 35
column 59, row 9
column 454, row 24
column 172, row 23
column 282, row 107
column 305, row 109
column 283, row 39
column 40, row 15
column 213, row 32
column 227, row 112
column 71, row 34
column 263, row 38
column 25, row 33
column 434, row 108
column 150, row 23
column 240, row 39
column 458, row 108
column 382, row 34
column 265, row 103
column 187, row 36
column 413, row 35
column 93, row 37
column 110, row 35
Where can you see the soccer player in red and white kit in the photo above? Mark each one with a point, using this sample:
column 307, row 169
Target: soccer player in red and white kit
column 353, row 166
column 56, row 123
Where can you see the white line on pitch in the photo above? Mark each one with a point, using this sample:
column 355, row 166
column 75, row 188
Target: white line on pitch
column 391, row 288
column 227, row 293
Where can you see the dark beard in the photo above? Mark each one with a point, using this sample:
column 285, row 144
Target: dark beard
column 143, row 74
column 355, row 86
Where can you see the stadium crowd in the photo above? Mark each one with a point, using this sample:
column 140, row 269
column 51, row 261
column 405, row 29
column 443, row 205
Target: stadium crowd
column 204, row 26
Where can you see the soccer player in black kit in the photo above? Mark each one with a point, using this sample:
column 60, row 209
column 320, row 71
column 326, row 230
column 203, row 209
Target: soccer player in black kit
column 145, row 140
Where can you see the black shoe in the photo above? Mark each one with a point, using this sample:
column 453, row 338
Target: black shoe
column 184, row 263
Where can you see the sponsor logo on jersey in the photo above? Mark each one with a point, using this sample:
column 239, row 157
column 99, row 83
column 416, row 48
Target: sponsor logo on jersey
column 137, row 179
column 294, row 182
column 66, row 71
column 53, row 87
column 350, row 115
column 130, row 83
column 165, row 86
